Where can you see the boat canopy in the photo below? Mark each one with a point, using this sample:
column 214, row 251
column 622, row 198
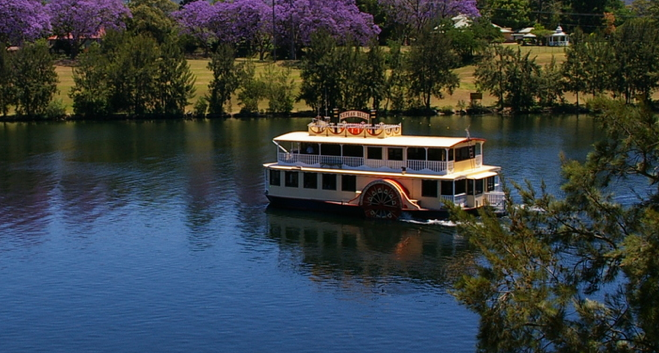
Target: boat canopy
column 394, row 141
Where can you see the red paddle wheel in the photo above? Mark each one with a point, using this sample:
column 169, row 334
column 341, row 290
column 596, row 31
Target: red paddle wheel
column 382, row 199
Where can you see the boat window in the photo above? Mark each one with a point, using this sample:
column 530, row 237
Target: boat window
column 470, row 187
column 374, row 153
column 491, row 182
column 309, row 148
column 447, row 187
column 429, row 188
column 353, row 151
column 329, row 181
column 394, row 154
column 275, row 177
column 349, row 183
column 464, row 153
column 330, row 149
column 310, row 181
column 460, row 186
column 450, row 154
column 291, row 179
column 478, row 148
column 416, row 153
column 436, row 154
column 478, row 186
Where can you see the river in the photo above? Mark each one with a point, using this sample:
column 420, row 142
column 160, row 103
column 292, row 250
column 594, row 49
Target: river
column 155, row 236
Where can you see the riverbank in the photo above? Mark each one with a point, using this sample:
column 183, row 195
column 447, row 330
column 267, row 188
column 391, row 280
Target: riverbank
column 199, row 67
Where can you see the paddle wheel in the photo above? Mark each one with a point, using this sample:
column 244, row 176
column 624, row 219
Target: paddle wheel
column 382, row 199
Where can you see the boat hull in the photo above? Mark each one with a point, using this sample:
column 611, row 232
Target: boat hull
column 346, row 209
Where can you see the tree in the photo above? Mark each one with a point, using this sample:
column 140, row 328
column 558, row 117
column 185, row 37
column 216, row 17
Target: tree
column 279, row 87
column 429, row 67
column 636, row 59
column 22, row 20
column 510, row 13
column 132, row 74
column 396, row 84
column 91, row 92
column 227, row 77
column 574, row 67
column 511, row 76
column 153, row 17
column 76, row 21
column 577, row 274
column 320, row 84
column 33, row 79
column 5, row 88
column 413, row 16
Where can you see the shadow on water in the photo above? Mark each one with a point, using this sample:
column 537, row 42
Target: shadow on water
column 351, row 251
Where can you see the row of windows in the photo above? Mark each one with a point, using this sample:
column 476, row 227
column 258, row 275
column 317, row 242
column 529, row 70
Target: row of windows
column 429, row 188
column 310, row 180
column 392, row 153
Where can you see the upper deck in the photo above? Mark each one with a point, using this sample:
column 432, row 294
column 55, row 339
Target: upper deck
column 378, row 147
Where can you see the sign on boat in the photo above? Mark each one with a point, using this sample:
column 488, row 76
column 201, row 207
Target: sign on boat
column 372, row 169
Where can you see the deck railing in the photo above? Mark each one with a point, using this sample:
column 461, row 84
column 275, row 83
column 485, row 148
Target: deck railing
column 322, row 161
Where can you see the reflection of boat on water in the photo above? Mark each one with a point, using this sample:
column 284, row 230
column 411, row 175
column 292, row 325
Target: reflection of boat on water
column 366, row 251
column 374, row 170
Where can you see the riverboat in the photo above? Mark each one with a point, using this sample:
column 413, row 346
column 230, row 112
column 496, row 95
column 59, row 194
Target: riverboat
column 374, row 170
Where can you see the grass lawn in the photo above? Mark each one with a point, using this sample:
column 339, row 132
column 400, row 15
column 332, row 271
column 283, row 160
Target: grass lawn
column 543, row 55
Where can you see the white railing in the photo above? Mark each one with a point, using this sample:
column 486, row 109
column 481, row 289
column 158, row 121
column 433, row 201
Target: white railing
column 322, row 161
column 496, row 199
column 479, row 160
column 459, row 200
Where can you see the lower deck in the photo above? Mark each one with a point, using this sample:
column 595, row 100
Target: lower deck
column 379, row 193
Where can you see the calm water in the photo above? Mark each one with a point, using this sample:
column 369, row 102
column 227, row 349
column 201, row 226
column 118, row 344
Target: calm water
column 155, row 237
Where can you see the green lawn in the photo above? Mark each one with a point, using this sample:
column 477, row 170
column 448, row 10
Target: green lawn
column 203, row 76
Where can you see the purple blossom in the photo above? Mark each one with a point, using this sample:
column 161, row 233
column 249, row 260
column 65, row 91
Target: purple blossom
column 76, row 20
column 22, row 20
column 416, row 14
column 295, row 20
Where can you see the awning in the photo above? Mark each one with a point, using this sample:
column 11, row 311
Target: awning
column 481, row 175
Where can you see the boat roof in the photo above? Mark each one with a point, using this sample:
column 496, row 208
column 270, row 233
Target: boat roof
column 397, row 141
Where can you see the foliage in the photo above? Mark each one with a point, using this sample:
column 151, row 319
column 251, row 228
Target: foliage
column 551, row 84
column 90, row 92
column 252, row 90
column 5, row 88
column 76, row 21
column 250, row 22
column 511, row 76
column 132, row 74
column 577, row 274
column 153, row 17
column 636, row 58
column 279, row 89
column 32, row 79
column 396, row 84
column 510, row 13
column 429, row 66
column 319, row 81
column 574, row 67
column 227, row 77
column 22, row 20
column 413, row 16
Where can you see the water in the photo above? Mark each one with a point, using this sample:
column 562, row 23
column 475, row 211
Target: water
column 156, row 236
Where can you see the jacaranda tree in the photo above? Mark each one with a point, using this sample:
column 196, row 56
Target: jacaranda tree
column 250, row 22
column 411, row 16
column 22, row 20
column 76, row 21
